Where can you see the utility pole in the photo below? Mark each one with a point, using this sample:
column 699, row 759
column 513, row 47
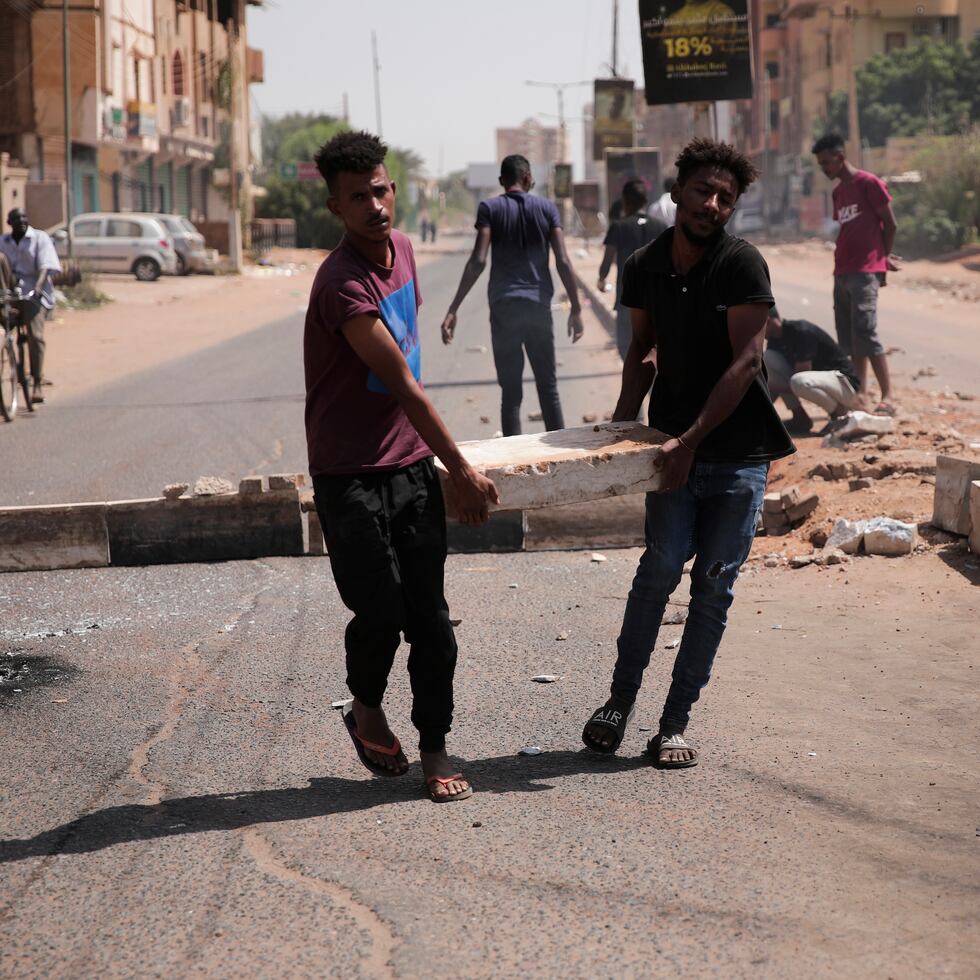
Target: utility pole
column 767, row 177
column 66, row 49
column 853, row 123
column 234, row 218
column 614, row 64
column 377, row 81
column 346, row 109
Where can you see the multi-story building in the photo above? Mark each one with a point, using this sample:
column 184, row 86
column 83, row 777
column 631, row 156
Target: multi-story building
column 539, row 143
column 158, row 100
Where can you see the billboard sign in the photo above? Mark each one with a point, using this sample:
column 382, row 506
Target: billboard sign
column 623, row 165
column 585, row 203
column 563, row 181
column 696, row 50
column 612, row 123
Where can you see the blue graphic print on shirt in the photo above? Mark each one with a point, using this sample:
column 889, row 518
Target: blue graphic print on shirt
column 400, row 315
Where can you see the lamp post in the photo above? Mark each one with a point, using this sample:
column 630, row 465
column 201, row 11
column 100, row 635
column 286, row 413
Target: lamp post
column 559, row 89
column 66, row 53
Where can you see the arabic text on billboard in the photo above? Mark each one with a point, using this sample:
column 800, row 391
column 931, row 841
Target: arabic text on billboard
column 696, row 50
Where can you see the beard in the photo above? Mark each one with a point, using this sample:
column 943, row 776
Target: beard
column 700, row 240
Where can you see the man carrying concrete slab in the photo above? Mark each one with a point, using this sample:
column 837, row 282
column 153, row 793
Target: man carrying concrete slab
column 523, row 230
column 371, row 433
column 701, row 298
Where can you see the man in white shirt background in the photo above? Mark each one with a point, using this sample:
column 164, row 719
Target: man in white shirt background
column 33, row 260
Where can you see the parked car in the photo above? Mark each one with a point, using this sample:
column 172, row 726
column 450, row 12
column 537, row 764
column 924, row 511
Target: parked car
column 192, row 255
column 120, row 242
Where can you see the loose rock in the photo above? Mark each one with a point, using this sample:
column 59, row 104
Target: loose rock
column 174, row 490
column 210, row 486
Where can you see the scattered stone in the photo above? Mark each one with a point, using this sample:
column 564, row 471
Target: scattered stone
column 534, row 416
column 596, row 557
column 674, row 617
column 477, row 823
column 174, row 490
column 476, row 349
column 818, row 537
column 860, row 483
column 846, row 535
column 864, row 423
column 802, row 509
column 801, row 561
column 562, row 636
column 951, row 503
column 925, row 372
column 250, row 484
column 589, row 417
column 772, row 562
column 672, row 645
column 886, row 536
column 835, row 557
column 485, row 419
column 211, row 486
column 531, row 750
column 342, row 703
column 544, row 678
column 772, row 503
column 287, row 481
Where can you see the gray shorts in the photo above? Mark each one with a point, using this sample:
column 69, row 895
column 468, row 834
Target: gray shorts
column 856, row 313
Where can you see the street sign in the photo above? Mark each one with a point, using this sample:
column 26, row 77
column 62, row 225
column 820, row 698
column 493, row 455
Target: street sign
column 613, row 115
column 563, row 181
column 299, row 171
column 696, row 50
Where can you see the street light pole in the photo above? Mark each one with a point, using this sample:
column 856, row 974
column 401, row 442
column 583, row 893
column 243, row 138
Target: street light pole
column 853, row 121
column 377, row 81
column 66, row 50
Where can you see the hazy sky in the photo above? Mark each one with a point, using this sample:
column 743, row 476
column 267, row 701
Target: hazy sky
column 451, row 70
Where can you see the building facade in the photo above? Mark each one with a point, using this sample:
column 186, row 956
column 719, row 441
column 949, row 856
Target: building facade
column 158, row 104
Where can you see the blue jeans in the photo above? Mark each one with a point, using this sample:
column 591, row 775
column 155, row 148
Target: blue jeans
column 713, row 517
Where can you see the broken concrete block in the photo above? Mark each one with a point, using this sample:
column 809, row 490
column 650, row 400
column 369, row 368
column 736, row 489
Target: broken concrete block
column 772, row 503
column 250, row 484
column 789, row 496
column 846, row 535
column 315, row 536
column 951, row 503
column 802, row 509
column 41, row 538
column 174, row 490
column 210, row 486
column 287, row 481
column 860, row 483
column 863, row 423
column 217, row 527
column 775, row 523
column 975, row 517
column 886, row 536
column 566, row 466
column 801, row 561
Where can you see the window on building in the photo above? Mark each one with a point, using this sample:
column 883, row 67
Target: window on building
column 205, row 127
column 178, row 69
column 137, row 90
column 894, row 41
column 774, row 117
column 772, row 67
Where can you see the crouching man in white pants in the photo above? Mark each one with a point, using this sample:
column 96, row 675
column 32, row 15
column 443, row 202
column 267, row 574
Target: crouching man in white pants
column 805, row 362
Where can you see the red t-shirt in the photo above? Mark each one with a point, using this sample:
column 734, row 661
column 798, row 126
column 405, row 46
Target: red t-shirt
column 353, row 424
column 860, row 243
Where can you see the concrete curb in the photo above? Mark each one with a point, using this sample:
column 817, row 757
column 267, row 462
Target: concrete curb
column 257, row 522
column 599, row 308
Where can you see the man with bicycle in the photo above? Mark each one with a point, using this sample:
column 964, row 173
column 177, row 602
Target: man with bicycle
column 33, row 261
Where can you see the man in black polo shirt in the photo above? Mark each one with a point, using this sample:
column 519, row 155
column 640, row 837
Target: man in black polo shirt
column 803, row 361
column 624, row 237
column 701, row 298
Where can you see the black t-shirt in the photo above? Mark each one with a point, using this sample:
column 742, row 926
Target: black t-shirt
column 690, row 314
column 802, row 340
column 626, row 235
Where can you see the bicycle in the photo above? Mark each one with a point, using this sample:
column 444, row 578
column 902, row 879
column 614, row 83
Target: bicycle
column 16, row 312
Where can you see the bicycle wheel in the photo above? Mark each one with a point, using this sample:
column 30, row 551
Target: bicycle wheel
column 22, row 376
column 8, row 380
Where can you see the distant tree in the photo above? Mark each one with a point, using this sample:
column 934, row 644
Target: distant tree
column 929, row 88
column 295, row 138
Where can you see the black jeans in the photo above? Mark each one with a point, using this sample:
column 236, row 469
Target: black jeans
column 517, row 325
column 386, row 538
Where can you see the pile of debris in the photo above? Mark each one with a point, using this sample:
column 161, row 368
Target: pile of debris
column 782, row 510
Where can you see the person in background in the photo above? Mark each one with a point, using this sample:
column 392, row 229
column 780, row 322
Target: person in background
column 663, row 209
column 33, row 260
column 624, row 237
column 804, row 362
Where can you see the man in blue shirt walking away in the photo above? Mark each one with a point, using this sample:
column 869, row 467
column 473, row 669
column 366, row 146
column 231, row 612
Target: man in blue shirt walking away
column 522, row 229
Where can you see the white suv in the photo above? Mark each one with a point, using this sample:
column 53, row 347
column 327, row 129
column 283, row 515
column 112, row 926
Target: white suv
column 120, row 242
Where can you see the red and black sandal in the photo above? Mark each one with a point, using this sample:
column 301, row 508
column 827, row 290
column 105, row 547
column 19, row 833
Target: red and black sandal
column 360, row 744
column 445, row 781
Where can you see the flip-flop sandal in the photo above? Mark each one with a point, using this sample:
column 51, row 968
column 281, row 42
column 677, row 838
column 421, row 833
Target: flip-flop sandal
column 885, row 408
column 445, row 781
column 659, row 742
column 615, row 719
column 360, row 744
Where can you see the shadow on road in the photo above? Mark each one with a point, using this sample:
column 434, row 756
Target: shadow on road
column 324, row 796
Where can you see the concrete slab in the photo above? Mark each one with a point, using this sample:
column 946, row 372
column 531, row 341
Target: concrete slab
column 217, row 528
column 951, row 504
column 42, row 538
column 975, row 517
column 568, row 466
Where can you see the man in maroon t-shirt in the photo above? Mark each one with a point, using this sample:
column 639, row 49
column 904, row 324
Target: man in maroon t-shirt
column 371, row 433
column 862, row 206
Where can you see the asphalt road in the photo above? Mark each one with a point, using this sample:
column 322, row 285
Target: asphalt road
column 178, row 798
column 237, row 408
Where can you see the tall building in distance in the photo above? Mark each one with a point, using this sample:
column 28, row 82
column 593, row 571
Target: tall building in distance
column 539, row 143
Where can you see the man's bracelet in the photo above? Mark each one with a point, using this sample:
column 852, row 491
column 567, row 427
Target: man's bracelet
column 685, row 445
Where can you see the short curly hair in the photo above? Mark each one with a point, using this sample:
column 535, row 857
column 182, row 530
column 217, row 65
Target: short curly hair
column 356, row 153
column 707, row 153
